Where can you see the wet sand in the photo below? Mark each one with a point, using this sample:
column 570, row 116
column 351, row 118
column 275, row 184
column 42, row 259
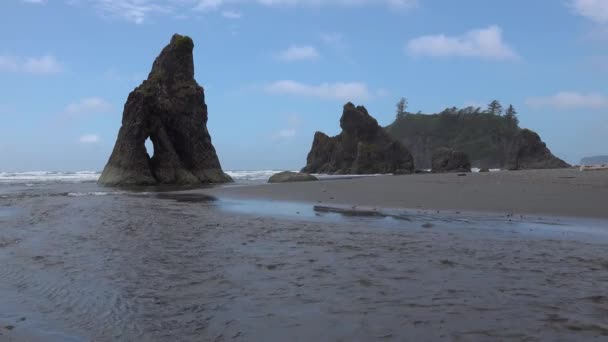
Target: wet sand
column 546, row 192
column 179, row 266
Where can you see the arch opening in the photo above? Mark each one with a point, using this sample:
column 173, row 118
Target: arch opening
column 149, row 147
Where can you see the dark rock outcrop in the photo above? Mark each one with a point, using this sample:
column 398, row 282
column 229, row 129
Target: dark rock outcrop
column 289, row 176
column 169, row 108
column 448, row 160
column 529, row 152
column 363, row 147
column 490, row 141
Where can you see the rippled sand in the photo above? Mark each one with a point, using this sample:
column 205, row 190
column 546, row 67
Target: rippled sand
column 155, row 267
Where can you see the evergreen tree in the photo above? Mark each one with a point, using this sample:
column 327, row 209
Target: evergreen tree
column 511, row 114
column 495, row 108
column 401, row 107
column 469, row 110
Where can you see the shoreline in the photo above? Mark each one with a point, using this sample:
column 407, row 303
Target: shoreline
column 557, row 193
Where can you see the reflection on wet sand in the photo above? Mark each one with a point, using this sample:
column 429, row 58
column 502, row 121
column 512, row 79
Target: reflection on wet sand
column 177, row 266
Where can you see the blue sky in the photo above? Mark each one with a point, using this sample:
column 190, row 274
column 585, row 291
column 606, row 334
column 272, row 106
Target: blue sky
column 276, row 71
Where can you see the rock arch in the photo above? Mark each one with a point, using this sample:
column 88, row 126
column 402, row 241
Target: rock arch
column 169, row 108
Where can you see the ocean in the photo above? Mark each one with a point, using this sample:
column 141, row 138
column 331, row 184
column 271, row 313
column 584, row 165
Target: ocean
column 40, row 177
column 31, row 178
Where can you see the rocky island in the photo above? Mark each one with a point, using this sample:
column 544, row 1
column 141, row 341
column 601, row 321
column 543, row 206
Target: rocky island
column 363, row 147
column 490, row 140
column 168, row 108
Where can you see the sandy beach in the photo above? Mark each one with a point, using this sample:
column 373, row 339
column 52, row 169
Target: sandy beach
column 81, row 263
column 565, row 192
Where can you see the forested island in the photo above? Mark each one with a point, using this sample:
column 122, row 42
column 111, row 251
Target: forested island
column 491, row 137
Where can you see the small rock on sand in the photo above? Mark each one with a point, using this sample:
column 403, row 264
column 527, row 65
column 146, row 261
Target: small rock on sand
column 288, row 176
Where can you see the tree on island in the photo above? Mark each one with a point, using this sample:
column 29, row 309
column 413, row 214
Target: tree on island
column 495, row 108
column 511, row 115
column 470, row 110
column 401, row 107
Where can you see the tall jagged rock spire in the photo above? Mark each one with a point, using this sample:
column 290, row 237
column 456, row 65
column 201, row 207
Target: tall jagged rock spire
column 363, row 147
column 169, row 108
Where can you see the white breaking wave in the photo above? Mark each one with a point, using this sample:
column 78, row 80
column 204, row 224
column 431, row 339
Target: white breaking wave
column 249, row 176
column 476, row 169
column 94, row 193
column 36, row 177
column 32, row 178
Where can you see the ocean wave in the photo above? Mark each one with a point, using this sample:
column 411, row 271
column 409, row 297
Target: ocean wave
column 251, row 176
column 30, row 178
column 94, row 193
column 33, row 178
column 476, row 169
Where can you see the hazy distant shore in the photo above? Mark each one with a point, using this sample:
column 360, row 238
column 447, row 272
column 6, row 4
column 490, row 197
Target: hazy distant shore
column 564, row 192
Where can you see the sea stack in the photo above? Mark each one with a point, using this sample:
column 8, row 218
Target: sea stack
column 169, row 108
column 449, row 160
column 363, row 147
column 530, row 152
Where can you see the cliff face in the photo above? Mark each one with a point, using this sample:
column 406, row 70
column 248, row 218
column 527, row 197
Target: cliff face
column 529, row 152
column 447, row 160
column 169, row 108
column 363, row 147
column 490, row 141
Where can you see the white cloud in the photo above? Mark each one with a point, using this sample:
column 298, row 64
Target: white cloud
column 595, row 10
column 137, row 11
column 134, row 11
column 287, row 133
column 232, row 14
column 89, row 139
column 8, row 63
column 475, row 104
column 37, row 2
column 345, row 91
column 400, row 4
column 291, row 129
column 299, row 53
column 45, row 65
column 484, row 43
column 566, row 100
column 89, row 105
column 209, row 5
